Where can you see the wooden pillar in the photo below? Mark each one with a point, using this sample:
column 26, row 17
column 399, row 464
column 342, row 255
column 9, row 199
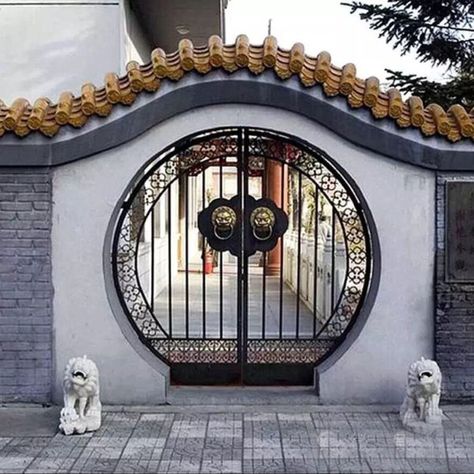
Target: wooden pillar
column 273, row 176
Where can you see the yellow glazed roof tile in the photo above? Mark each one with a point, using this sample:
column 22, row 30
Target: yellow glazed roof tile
column 46, row 117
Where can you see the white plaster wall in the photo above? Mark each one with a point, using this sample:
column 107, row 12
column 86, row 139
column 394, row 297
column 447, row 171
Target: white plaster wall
column 49, row 47
column 400, row 196
column 85, row 194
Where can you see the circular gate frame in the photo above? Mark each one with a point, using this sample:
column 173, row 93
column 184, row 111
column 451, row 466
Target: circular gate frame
column 356, row 323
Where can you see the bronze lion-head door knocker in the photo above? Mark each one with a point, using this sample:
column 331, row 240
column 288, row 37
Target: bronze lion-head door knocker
column 224, row 219
column 262, row 221
column 266, row 223
column 221, row 224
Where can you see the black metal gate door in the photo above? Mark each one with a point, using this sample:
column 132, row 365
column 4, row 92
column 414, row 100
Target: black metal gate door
column 248, row 225
column 242, row 256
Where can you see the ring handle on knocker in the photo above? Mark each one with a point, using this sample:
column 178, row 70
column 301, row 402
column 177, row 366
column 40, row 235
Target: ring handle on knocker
column 223, row 219
column 262, row 220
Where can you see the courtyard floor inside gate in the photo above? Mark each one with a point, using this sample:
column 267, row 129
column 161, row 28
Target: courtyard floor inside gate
column 260, row 321
column 246, row 439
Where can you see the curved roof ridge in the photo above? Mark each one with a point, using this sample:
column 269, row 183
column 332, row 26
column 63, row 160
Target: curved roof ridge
column 46, row 117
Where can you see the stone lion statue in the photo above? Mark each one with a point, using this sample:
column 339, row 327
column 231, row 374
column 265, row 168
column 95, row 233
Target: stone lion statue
column 421, row 403
column 82, row 407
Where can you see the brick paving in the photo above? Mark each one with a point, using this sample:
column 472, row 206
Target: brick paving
column 252, row 440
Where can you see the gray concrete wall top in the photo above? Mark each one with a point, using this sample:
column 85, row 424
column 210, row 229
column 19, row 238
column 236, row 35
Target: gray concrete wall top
column 218, row 87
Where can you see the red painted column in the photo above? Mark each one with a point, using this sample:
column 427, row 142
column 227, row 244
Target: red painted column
column 273, row 175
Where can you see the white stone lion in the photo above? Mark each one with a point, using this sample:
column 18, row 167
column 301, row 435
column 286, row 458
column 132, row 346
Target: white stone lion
column 82, row 407
column 421, row 403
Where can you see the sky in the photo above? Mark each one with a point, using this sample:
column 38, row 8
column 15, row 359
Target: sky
column 323, row 25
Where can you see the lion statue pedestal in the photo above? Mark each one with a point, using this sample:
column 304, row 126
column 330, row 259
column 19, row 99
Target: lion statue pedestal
column 82, row 408
column 420, row 412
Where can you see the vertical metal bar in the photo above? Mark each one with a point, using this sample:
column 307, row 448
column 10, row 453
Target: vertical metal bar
column 221, row 261
column 186, row 252
column 264, row 254
column 245, row 275
column 264, row 258
column 282, row 256
column 170, row 277
column 315, row 262
column 298, row 258
column 240, row 318
column 333, row 256
column 152, row 269
column 203, row 197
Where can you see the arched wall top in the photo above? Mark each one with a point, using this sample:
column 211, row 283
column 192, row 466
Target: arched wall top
column 242, row 87
column 48, row 118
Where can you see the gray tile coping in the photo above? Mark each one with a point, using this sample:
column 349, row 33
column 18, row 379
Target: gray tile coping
column 197, row 439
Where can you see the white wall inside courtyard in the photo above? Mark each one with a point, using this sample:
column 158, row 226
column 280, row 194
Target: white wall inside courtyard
column 398, row 330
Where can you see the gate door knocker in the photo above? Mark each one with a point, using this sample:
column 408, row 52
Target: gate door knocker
column 220, row 222
column 265, row 224
column 224, row 220
column 262, row 220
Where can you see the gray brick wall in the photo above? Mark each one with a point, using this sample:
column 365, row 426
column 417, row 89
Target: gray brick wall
column 454, row 313
column 25, row 284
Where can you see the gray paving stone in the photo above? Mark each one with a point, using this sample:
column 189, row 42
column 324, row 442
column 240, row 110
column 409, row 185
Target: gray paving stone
column 50, row 465
column 390, row 466
column 94, row 465
column 349, row 465
column 222, row 455
column 430, row 466
column 245, row 442
column 460, row 466
column 263, row 453
column 125, row 466
column 225, row 466
column 182, row 453
column 308, row 466
column 52, row 451
column 303, row 454
column 269, row 466
column 224, row 442
column 173, row 466
column 4, row 442
column 14, row 463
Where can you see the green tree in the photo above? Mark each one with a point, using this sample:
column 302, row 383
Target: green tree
column 440, row 32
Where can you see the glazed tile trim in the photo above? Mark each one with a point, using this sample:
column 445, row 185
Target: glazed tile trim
column 46, row 117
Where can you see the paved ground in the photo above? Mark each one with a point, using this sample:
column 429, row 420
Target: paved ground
column 256, row 301
column 273, row 439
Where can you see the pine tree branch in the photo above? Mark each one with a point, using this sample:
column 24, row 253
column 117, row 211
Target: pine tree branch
column 354, row 7
column 405, row 25
column 459, row 89
column 439, row 32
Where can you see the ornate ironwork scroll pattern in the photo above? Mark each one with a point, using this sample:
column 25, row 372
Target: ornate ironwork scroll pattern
column 213, row 151
column 349, row 216
column 200, row 351
column 290, row 351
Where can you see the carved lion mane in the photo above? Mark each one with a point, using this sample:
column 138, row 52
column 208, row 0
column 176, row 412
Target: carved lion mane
column 81, row 377
column 424, row 378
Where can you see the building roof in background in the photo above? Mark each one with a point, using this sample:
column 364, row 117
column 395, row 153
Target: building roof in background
column 167, row 21
column 47, row 118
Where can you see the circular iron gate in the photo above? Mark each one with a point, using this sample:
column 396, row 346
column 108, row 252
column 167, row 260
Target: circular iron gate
column 242, row 255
